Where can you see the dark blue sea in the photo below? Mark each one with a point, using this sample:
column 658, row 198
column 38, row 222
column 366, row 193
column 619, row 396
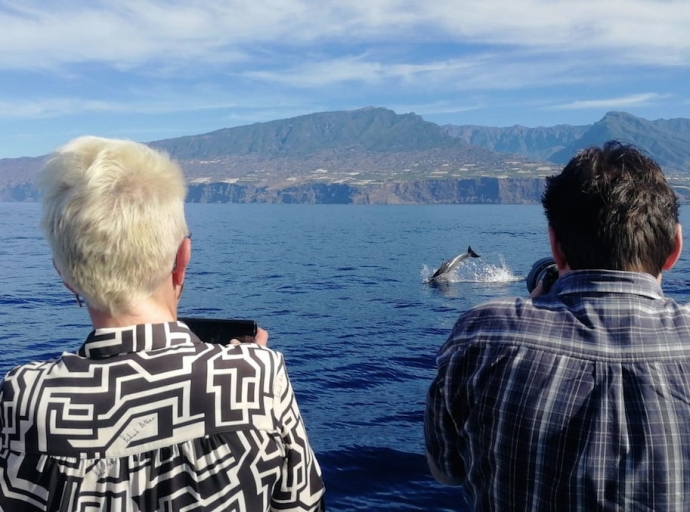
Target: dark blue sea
column 341, row 291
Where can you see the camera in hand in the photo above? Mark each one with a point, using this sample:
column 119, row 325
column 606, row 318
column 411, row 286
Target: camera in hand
column 544, row 269
column 221, row 331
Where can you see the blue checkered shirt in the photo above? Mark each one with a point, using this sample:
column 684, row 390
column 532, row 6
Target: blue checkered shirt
column 576, row 400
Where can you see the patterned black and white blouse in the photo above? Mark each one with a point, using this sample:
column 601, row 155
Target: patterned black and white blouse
column 149, row 418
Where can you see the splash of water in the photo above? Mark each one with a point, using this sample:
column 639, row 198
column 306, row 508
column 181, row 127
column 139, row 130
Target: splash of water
column 476, row 272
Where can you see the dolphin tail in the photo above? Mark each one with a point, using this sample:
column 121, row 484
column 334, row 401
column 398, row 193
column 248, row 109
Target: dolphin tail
column 472, row 253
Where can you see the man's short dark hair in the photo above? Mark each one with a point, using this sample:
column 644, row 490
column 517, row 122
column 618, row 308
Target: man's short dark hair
column 612, row 208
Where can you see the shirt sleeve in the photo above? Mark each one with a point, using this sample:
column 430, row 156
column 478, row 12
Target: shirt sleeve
column 443, row 442
column 301, row 486
column 4, row 444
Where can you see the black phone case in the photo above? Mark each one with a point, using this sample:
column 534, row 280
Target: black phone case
column 216, row 330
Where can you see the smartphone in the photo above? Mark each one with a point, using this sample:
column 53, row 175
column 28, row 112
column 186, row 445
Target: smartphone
column 221, row 331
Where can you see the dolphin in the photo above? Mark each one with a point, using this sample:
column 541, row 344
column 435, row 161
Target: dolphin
column 449, row 265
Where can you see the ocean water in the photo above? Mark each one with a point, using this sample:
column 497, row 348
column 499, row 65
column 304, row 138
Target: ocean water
column 341, row 290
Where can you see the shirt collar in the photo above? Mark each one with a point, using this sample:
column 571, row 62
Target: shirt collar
column 608, row 281
column 112, row 341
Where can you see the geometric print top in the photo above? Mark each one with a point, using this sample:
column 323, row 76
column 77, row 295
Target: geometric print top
column 149, row 418
column 575, row 400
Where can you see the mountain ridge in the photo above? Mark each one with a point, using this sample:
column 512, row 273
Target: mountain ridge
column 376, row 155
column 665, row 140
column 369, row 128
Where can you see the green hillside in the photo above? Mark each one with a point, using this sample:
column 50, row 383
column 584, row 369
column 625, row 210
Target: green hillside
column 370, row 129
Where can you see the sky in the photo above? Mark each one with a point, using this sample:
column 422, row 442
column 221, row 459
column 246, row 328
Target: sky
column 155, row 69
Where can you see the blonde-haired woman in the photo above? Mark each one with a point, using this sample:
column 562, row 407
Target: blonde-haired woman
column 144, row 416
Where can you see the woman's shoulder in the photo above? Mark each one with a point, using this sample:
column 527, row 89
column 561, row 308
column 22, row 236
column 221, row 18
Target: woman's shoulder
column 33, row 369
column 249, row 354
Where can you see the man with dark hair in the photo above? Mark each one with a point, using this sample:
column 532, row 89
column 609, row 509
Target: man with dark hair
column 578, row 398
column 612, row 209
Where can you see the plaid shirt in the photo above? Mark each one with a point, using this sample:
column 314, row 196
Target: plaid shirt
column 576, row 400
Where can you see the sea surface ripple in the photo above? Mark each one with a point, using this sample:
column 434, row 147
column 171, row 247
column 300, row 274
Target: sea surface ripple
column 342, row 292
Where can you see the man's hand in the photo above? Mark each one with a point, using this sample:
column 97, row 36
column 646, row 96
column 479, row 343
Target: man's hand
column 538, row 290
column 545, row 283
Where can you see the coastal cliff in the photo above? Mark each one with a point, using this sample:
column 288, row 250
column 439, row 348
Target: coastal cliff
column 375, row 156
column 431, row 191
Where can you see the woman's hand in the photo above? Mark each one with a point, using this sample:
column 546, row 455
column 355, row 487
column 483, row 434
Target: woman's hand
column 260, row 338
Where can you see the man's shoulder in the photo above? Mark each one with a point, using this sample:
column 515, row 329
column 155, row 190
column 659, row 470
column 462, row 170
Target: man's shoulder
column 499, row 307
column 614, row 326
column 494, row 316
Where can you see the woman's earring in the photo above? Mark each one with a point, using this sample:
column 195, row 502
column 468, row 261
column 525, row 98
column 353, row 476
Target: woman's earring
column 76, row 296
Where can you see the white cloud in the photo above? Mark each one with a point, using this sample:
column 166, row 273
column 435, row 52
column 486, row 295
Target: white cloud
column 324, row 72
column 476, row 72
column 632, row 100
column 89, row 65
column 52, row 107
column 55, row 107
column 250, row 108
column 437, row 108
column 133, row 33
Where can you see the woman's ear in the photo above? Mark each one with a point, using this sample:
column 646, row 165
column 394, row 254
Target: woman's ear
column 63, row 281
column 76, row 295
column 184, row 254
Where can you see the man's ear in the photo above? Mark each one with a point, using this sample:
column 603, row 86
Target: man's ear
column 677, row 249
column 184, row 254
column 556, row 251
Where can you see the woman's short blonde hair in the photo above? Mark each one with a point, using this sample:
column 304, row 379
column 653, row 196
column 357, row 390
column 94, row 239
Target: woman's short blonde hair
column 113, row 214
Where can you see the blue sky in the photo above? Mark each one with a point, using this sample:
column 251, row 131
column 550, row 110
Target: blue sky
column 148, row 70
